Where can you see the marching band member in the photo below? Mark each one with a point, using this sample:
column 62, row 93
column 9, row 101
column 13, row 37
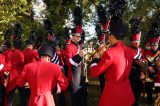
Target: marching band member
column 17, row 61
column 152, row 71
column 42, row 77
column 30, row 54
column 101, row 39
column 74, row 58
column 116, row 63
column 104, row 21
column 74, row 55
column 147, row 49
column 135, row 74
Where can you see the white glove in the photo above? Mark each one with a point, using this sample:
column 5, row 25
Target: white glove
column 1, row 66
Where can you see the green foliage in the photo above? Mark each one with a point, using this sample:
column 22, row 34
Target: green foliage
column 12, row 11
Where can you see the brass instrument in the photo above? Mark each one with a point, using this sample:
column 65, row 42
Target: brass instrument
column 146, row 72
column 155, row 59
column 157, row 102
column 3, row 43
column 89, row 56
column 149, row 58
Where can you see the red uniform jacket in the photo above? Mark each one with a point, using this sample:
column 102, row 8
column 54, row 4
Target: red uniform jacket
column 157, row 80
column 2, row 65
column 30, row 56
column 7, row 55
column 116, row 63
column 17, row 60
column 72, row 57
column 42, row 78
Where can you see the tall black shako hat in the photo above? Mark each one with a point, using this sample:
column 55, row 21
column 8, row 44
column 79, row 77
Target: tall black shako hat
column 46, row 50
column 7, row 37
column 17, row 31
column 66, row 35
column 32, row 38
column 29, row 42
column 117, row 10
column 155, row 30
column 17, row 43
column 135, row 29
column 49, row 30
column 77, row 15
column 103, row 17
column 17, row 40
column 104, row 20
column 118, row 29
column 100, row 35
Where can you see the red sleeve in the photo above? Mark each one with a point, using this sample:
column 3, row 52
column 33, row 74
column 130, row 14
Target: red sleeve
column 68, row 55
column 36, row 55
column 22, row 57
column 21, row 80
column 61, row 79
column 102, row 66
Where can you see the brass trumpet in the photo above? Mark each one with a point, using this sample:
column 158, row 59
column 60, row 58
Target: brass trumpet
column 89, row 56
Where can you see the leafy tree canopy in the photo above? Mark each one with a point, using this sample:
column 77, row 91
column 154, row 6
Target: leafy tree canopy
column 58, row 11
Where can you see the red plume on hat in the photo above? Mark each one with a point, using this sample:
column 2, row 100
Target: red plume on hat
column 49, row 30
column 155, row 39
column 66, row 35
column 135, row 29
column 106, row 25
